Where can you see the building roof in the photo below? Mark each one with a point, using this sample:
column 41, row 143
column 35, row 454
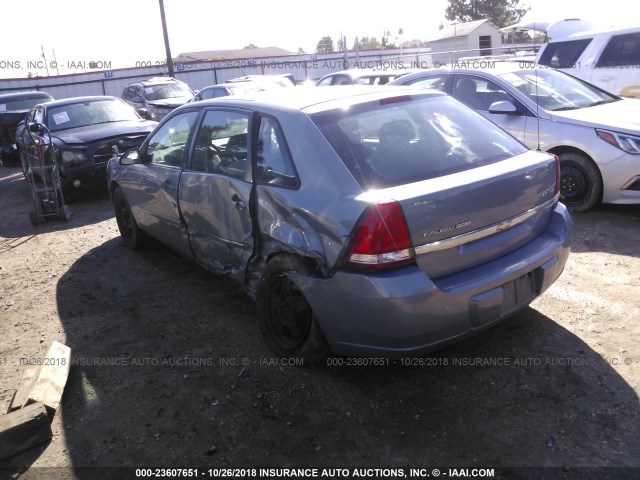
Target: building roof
column 460, row 29
column 233, row 54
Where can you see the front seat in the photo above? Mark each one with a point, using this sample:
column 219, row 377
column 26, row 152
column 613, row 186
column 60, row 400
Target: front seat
column 465, row 91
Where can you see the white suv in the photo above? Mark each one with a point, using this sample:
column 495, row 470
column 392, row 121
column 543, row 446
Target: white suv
column 608, row 59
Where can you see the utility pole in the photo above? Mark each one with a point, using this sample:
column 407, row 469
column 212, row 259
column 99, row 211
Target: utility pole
column 166, row 39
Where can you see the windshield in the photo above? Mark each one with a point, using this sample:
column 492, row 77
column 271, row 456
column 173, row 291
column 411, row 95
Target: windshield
column 76, row 115
column 407, row 139
column 556, row 91
column 20, row 103
column 169, row 90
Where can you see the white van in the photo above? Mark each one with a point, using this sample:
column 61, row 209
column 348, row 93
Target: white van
column 608, row 59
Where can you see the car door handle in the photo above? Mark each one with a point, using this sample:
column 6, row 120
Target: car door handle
column 168, row 186
column 237, row 202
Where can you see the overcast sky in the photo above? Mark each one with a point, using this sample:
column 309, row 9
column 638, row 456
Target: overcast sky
column 124, row 32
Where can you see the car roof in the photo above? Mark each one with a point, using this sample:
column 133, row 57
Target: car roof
column 31, row 94
column 368, row 72
column 472, row 66
column 72, row 100
column 321, row 98
column 595, row 32
column 155, row 81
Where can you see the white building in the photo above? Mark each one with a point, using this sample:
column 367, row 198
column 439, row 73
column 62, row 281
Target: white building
column 478, row 38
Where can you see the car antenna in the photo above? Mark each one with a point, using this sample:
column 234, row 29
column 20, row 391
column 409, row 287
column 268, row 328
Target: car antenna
column 535, row 69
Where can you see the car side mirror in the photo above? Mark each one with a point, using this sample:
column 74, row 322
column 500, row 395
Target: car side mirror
column 131, row 157
column 504, row 107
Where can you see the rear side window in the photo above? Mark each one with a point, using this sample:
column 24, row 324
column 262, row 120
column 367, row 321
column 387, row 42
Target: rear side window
column 621, row 51
column 435, row 81
column 274, row 165
column 563, row 54
column 397, row 141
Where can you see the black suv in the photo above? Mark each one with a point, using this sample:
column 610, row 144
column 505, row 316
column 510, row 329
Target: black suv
column 13, row 108
column 155, row 98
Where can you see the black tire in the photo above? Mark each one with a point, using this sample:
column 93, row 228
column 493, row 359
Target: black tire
column 68, row 191
column 580, row 182
column 286, row 320
column 64, row 214
column 132, row 236
column 34, row 217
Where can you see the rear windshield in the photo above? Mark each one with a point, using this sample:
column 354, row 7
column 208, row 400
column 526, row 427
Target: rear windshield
column 563, row 54
column 169, row 90
column 22, row 102
column 397, row 141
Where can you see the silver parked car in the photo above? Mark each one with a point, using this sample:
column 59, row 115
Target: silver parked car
column 369, row 220
column 596, row 134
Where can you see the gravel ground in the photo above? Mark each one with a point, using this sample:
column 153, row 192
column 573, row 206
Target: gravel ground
column 169, row 369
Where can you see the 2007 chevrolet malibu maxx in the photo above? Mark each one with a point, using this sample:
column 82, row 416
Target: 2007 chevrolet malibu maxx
column 377, row 221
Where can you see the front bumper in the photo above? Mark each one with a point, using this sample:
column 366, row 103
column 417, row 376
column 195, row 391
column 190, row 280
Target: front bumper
column 403, row 312
column 85, row 177
column 620, row 180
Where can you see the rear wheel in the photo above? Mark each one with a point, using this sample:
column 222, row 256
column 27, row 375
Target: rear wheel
column 286, row 319
column 132, row 236
column 580, row 182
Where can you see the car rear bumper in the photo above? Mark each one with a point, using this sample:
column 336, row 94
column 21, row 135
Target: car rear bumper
column 403, row 312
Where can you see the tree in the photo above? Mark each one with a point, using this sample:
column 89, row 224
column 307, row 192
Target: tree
column 325, row 45
column 342, row 44
column 386, row 40
column 500, row 12
column 367, row 43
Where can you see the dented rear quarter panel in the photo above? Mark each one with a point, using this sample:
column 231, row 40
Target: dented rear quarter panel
column 315, row 220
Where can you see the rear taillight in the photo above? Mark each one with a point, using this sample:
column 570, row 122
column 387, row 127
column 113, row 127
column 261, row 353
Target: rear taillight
column 380, row 238
column 557, row 192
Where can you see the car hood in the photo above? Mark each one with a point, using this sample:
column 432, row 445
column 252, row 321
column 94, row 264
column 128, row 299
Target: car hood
column 91, row 133
column 170, row 102
column 620, row 116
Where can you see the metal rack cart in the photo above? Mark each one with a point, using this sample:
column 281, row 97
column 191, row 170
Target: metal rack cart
column 42, row 172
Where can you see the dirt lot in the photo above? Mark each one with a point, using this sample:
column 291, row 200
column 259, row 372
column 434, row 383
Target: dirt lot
column 169, row 369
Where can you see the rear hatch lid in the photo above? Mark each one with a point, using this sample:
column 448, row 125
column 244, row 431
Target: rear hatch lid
column 468, row 218
column 469, row 191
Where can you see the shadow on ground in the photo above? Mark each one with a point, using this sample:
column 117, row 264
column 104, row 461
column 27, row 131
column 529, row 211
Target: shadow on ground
column 15, row 196
column 169, row 370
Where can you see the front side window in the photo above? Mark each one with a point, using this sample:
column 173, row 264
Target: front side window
column 168, row 146
column 411, row 138
column 477, row 92
column 622, row 51
column 221, row 144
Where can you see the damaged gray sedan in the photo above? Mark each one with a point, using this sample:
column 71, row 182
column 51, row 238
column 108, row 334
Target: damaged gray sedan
column 367, row 221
